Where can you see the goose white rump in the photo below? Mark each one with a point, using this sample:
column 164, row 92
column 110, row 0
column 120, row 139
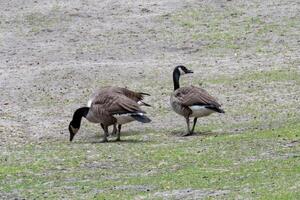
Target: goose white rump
column 200, row 111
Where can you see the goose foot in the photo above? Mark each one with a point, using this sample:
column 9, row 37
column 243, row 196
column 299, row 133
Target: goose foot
column 103, row 140
column 187, row 134
column 105, row 128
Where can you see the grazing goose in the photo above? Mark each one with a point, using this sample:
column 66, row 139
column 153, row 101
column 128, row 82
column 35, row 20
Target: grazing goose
column 108, row 109
column 191, row 101
column 136, row 96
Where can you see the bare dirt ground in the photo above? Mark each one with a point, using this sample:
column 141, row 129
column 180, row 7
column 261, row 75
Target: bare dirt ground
column 54, row 54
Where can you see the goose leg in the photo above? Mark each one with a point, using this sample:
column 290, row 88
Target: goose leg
column 105, row 128
column 119, row 133
column 114, row 132
column 102, row 126
column 188, row 126
column 195, row 121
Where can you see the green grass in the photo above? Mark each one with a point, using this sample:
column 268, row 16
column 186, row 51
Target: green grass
column 262, row 165
column 260, row 161
column 39, row 21
column 231, row 29
column 275, row 75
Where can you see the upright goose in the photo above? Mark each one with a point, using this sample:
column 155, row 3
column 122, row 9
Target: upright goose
column 108, row 108
column 191, row 101
column 136, row 96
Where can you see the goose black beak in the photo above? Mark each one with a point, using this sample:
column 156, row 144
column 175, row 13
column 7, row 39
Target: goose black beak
column 189, row 71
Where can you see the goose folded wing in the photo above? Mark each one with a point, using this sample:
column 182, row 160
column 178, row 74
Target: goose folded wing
column 137, row 96
column 130, row 94
column 122, row 105
column 190, row 96
column 98, row 94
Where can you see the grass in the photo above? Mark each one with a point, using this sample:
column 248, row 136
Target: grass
column 263, row 164
column 275, row 75
column 38, row 21
column 231, row 29
column 260, row 161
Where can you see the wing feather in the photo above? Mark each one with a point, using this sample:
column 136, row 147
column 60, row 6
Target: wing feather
column 116, row 104
column 189, row 96
column 136, row 96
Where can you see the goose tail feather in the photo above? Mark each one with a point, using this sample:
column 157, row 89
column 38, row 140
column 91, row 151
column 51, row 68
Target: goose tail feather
column 145, row 94
column 141, row 118
column 145, row 104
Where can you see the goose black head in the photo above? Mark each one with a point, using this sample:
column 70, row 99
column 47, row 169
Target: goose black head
column 178, row 71
column 75, row 123
column 72, row 130
column 183, row 70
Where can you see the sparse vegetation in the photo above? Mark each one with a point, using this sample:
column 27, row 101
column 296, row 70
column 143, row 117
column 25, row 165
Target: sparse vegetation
column 54, row 54
column 262, row 164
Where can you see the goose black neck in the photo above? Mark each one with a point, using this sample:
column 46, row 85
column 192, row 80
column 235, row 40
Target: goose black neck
column 176, row 76
column 78, row 114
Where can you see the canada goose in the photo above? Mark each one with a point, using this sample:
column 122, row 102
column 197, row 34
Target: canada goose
column 108, row 108
column 191, row 101
column 136, row 96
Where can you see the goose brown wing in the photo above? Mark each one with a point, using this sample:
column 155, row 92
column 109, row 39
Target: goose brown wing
column 99, row 92
column 124, row 105
column 189, row 96
column 116, row 104
column 136, row 96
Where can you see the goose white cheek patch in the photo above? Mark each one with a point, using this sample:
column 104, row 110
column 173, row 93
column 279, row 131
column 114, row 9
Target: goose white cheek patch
column 75, row 130
column 181, row 71
column 89, row 103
